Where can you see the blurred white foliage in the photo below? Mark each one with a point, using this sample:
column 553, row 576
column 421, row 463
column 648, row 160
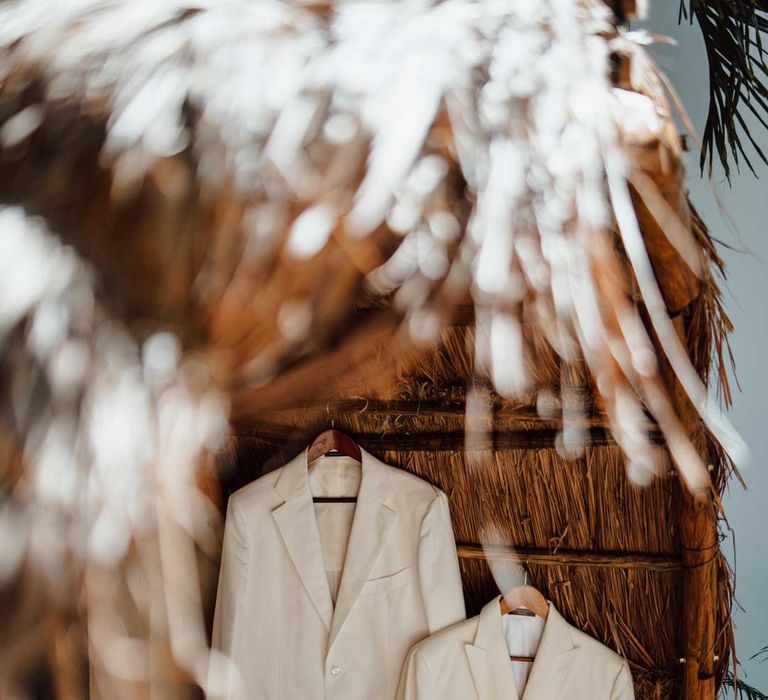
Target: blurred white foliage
column 336, row 110
column 114, row 431
column 287, row 99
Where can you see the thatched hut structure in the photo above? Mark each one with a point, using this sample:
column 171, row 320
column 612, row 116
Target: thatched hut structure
column 477, row 258
column 615, row 556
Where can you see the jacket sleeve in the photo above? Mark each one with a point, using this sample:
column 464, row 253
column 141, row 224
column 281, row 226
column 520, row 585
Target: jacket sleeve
column 623, row 688
column 223, row 677
column 415, row 678
column 439, row 576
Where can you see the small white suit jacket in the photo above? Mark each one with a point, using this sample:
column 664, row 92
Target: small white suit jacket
column 470, row 661
column 275, row 618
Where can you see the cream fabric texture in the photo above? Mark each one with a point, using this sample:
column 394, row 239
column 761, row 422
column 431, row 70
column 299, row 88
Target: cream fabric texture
column 522, row 636
column 470, row 661
column 275, row 619
column 334, row 476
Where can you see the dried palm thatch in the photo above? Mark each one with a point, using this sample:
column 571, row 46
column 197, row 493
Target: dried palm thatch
column 580, row 524
column 275, row 207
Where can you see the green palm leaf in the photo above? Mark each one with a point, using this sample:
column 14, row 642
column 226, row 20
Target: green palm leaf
column 733, row 38
column 741, row 690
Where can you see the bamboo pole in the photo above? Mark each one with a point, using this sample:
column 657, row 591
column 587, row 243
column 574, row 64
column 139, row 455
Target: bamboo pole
column 699, row 548
column 503, row 409
column 542, row 438
column 659, row 165
column 570, row 557
column 698, row 535
column 699, row 545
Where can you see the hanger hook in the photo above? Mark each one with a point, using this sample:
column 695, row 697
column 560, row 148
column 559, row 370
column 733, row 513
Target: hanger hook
column 328, row 412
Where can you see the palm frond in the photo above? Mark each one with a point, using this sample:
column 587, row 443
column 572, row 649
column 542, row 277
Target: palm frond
column 733, row 37
column 741, row 690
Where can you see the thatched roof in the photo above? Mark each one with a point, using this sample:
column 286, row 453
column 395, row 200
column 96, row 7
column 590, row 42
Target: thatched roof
column 310, row 183
column 458, row 229
column 606, row 551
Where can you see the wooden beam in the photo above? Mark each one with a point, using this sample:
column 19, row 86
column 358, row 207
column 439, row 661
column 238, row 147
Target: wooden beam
column 503, row 409
column 698, row 536
column 566, row 557
column 542, row 438
column 699, row 547
column 663, row 213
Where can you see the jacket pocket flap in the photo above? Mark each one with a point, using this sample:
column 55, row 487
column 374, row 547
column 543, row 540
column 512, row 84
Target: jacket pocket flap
column 387, row 583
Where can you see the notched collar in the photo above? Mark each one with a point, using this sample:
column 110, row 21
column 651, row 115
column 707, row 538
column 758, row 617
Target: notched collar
column 491, row 669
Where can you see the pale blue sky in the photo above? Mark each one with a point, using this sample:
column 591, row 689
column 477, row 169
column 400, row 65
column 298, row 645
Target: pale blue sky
column 745, row 206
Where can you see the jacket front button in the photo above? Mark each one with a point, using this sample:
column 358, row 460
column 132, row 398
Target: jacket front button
column 335, row 670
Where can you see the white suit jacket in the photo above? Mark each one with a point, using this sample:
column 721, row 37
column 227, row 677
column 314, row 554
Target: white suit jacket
column 470, row 661
column 275, row 618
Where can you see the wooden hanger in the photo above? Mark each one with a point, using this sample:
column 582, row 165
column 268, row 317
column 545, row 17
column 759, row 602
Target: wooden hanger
column 524, row 600
column 333, row 443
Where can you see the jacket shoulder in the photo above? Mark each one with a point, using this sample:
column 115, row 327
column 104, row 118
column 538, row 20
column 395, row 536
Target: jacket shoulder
column 448, row 641
column 256, row 491
column 596, row 650
column 412, row 485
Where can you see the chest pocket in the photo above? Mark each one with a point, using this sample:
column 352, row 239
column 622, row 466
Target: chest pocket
column 383, row 584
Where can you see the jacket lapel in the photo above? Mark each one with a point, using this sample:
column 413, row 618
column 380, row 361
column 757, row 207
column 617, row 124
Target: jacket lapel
column 549, row 673
column 491, row 669
column 373, row 519
column 489, row 659
column 296, row 521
